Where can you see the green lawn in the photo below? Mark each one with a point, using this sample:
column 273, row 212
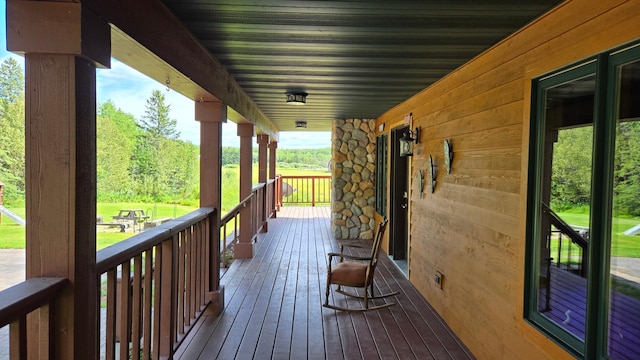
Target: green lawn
column 623, row 245
column 12, row 236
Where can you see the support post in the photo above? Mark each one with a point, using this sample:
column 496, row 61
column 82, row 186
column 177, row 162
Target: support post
column 63, row 42
column 273, row 145
column 244, row 249
column 263, row 141
column 211, row 116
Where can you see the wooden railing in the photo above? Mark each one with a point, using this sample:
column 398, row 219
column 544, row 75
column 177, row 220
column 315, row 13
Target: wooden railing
column 261, row 203
column 578, row 241
column 311, row 190
column 18, row 301
column 154, row 286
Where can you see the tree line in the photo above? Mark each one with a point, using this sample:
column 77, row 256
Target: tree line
column 138, row 160
column 572, row 164
column 289, row 158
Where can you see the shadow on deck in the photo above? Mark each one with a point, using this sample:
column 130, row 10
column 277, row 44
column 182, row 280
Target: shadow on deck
column 273, row 306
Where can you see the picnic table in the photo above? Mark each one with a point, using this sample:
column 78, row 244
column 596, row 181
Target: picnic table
column 134, row 215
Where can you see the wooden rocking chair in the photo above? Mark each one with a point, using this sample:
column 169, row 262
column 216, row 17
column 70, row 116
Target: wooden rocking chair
column 357, row 274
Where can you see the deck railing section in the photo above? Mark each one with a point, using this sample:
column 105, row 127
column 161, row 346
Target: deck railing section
column 578, row 242
column 154, row 285
column 22, row 299
column 261, row 205
column 306, row 190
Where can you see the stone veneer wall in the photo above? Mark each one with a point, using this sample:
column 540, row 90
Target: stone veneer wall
column 353, row 178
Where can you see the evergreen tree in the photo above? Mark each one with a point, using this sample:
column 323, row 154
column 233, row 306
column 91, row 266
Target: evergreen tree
column 156, row 121
column 11, row 81
column 12, row 129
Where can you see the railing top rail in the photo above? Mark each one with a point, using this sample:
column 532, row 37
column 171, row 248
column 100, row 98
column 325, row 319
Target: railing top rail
column 27, row 296
column 566, row 228
column 306, row 176
column 258, row 186
column 118, row 253
column 231, row 213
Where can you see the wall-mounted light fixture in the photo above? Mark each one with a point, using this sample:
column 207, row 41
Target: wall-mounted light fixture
column 301, row 124
column 296, row 98
column 407, row 140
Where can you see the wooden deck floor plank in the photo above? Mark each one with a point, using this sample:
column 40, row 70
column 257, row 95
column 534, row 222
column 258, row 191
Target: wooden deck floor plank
column 284, row 332
column 273, row 305
column 300, row 332
column 258, row 325
column 272, row 316
column 429, row 340
column 317, row 277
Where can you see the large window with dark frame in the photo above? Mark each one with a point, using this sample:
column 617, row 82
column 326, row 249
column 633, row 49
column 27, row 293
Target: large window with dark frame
column 583, row 212
column 381, row 174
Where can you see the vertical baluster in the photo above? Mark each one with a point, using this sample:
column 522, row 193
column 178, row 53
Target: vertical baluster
column 18, row 338
column 148, row 291
column 110, row 346
column 136, row 312
column 182, row 315
column 125, row 309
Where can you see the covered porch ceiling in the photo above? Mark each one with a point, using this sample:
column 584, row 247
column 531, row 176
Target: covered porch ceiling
column 354, row 59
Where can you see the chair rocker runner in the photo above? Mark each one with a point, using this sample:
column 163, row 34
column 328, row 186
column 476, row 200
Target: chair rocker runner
column 357, row 273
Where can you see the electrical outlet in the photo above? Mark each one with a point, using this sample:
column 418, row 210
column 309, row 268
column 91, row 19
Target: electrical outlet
column 439, row 278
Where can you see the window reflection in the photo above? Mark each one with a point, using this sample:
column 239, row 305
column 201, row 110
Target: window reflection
column 624, row 294
column 566, row 195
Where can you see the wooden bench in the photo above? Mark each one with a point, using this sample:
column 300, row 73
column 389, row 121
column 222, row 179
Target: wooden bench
column 123, row 226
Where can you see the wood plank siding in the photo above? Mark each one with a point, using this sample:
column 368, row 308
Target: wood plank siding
column 274, row 306
column 472, row 228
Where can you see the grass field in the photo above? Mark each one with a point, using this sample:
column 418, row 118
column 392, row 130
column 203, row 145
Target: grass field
column 623, row 245
column 12, row 236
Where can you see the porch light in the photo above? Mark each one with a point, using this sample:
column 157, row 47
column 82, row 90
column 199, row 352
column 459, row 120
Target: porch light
column 301, row 124
column 407, row 140
column 297, row 98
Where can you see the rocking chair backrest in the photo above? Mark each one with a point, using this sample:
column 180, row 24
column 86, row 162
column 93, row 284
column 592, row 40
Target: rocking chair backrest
column 377, row 242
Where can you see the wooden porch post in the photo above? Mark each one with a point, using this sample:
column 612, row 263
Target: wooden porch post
column 211, row 115
column 244, row 249
column 263, row 141
column 63, row 43
column 273, row 145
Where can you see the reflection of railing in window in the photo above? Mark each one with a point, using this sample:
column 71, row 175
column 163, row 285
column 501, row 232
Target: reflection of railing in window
column 578, row 236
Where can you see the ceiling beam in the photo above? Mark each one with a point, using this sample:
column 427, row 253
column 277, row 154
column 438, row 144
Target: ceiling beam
column 149, row 38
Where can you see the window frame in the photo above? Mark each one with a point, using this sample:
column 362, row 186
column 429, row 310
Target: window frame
column 381, row 174
column 604, row 66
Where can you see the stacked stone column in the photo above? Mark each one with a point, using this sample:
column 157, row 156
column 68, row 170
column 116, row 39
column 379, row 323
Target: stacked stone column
column 353, row 178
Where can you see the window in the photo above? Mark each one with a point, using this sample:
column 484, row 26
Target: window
column 381, row 174
column 584, row 207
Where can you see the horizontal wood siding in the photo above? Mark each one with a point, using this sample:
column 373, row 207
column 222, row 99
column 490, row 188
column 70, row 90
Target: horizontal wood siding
column 472, row 228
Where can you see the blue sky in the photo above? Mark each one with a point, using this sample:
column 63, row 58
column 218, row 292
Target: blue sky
column 129, row 90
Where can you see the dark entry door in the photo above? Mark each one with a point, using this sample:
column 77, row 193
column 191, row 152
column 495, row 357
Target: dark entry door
column 399, row 201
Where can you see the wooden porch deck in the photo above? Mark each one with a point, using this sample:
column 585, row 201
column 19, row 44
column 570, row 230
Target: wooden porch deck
column 568, row 309
column 273, row 306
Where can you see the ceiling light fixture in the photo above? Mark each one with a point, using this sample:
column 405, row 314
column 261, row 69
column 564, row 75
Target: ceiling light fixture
column 296, row 98
column 301, row 124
